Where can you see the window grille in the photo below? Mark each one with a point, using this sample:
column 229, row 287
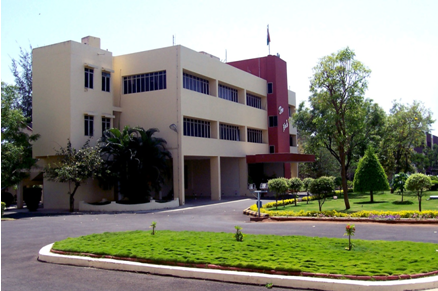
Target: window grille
column 196, row 127
column 229, row 132
column 144, row 82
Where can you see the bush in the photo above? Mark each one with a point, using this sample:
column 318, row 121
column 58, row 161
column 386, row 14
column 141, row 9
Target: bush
column 429, row 214
column 418, row 183
column 32, row 198
column 434, row 186
column 3, row 207
column 322, row 188
column 370, row 175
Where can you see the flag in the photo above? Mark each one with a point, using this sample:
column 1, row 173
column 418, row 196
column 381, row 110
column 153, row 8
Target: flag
column 269, row 38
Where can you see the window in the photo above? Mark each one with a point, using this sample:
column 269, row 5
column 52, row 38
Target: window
column 196, row 127
column 254, row 135
column 89, row 78
column 272, row 121
column 253, row 101
column 106, row 124
column 144, row 82
column 291, row 141
column 229, row 132
column 270, row 88
column 196, row 84
column 227, row 93
column 89, row 125
column 272, row 149
column 106, row 78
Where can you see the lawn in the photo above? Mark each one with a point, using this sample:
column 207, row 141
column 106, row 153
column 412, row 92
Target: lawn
column 264, row 252
column 383, row 201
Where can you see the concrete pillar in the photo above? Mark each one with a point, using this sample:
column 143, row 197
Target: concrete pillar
column 20, row 195
column 215, row 178
column 178, row 178
column 294, row 169
column 243, row 177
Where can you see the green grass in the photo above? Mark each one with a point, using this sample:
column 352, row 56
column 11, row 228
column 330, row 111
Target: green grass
column 383, row 201
column 283, row 253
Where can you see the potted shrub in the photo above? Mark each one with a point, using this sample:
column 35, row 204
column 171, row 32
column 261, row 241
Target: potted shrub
column 32, row 197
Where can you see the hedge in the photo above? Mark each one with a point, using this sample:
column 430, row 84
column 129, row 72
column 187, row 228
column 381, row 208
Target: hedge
column 362, row 214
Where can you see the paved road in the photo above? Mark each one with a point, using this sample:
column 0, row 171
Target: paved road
column 22, row 239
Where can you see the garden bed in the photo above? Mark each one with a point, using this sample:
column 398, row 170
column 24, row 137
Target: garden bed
column 267, row 217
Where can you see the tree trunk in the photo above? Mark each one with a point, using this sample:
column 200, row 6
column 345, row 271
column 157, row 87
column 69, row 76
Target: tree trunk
column 371, row 195
column 307, row 198
column 419, row 202
column 296, row 197
column 344, row 180
column 72, row 199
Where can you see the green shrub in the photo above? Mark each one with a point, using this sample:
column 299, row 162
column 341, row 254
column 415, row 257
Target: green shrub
column 418, row 183
column 295, row 185
column 434, row 186
column 370, row 175
column 279, row 186
column 322, row 188
column 429, row 214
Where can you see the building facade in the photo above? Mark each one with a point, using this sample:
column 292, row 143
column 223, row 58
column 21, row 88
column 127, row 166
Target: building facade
column 225, row 123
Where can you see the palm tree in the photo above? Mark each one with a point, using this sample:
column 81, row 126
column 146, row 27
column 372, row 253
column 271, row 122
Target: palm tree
column 136, row 159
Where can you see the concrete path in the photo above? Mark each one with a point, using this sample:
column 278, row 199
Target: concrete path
column 23, row 238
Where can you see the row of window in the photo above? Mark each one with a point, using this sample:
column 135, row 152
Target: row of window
column 157, row 81
column 201, row 128
column 89, row 79
column 144, row 82
column 201, row 85
column 89, row 124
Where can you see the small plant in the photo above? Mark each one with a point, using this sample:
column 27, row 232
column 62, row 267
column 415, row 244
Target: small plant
column 153, row 226
column 239, row 234
column 349, row 230
column 269, row 285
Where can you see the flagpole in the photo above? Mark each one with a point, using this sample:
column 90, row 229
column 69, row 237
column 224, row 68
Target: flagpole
column 269, row 42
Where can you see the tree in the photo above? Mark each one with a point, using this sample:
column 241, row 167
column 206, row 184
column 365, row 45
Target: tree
column 419, row 183
column 405, row 129
column 16, row 147
column 279, row 186
column 137, row 159
column 325, row 163
column 321, row 188
column 23, row 80
column 295, row 185
column 75, row 167
column 426, row 160
column 306, row 184
column 338, row 182
column 339, row 118
column 370, row 175
column 398, row 183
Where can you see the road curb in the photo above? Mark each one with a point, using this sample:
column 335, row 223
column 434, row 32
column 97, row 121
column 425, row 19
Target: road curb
column 238, row 277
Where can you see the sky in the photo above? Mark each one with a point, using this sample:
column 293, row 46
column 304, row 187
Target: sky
column 397, row 40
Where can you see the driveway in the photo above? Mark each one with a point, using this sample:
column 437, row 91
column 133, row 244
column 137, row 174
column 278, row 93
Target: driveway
column 23, row 238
